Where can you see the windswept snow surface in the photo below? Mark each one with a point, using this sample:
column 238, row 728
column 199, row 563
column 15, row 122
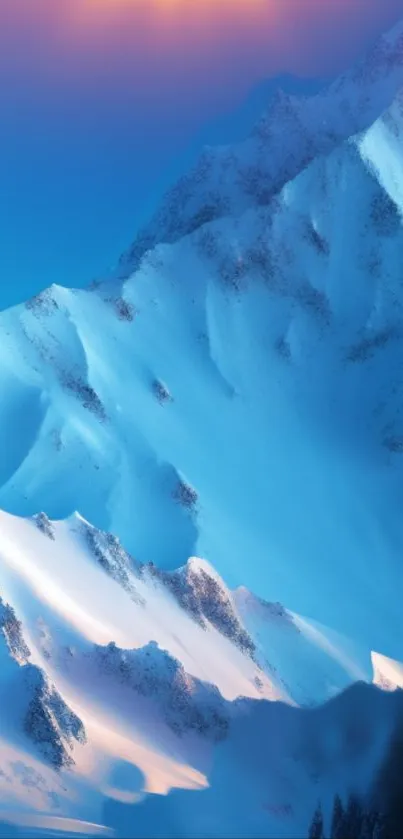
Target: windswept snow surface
column 128, row 683
column 226, row 416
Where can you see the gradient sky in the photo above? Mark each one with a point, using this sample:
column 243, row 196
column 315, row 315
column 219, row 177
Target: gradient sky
column 103, row 102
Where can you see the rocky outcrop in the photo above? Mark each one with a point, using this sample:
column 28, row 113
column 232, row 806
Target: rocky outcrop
column 44, row 524
column 49, row 722
column 112, row 557
column 229, row 180
column 11, row 628
column 187, row 705
column 204, row 596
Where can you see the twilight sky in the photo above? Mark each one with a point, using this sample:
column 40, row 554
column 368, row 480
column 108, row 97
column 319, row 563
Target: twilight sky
column 103, row 102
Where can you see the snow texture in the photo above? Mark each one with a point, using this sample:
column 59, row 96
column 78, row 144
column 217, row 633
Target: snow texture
column 191, row 653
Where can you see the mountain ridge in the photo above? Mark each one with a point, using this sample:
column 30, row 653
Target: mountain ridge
column 227, row 419
column 381, row 67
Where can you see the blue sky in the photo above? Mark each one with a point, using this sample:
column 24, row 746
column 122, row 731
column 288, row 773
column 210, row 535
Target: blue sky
column 95, row 126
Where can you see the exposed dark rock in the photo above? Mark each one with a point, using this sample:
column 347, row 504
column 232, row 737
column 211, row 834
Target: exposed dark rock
column 84, row 393
column 124, row 310
column 206, row 600
column 49, row 722
column 187, row 704
column 185, row 495
column 43, row 303
column 385, row 216
column 113, row 558
column 11, row 628
column 161, row 392
column 367, row 347
column 44, row 524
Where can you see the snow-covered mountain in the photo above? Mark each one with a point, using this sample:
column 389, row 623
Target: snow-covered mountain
column 114, row 665
column 235, row 394
column 295, row 130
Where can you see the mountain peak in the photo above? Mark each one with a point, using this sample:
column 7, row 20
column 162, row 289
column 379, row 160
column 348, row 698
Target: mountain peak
column 285, row 140
column 238, row 397
column 388, row 673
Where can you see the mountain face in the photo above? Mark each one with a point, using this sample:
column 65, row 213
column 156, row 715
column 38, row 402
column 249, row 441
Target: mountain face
column 202, row 688
column 226, row 416
column 231, row 180
column 42, row 715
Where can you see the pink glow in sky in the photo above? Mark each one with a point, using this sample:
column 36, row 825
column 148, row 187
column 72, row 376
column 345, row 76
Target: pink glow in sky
column 176, row 46
column 100, row 101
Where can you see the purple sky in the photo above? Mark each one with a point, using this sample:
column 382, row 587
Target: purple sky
column 102, row 101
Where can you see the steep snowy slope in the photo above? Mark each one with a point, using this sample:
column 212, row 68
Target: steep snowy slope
column 37, row 709
column 126, row 681
column 309, row 660
column 265, row 347
column 269, row 775
column 39, row 733
column 230, row 180
column 236, row 396
column 67, row 580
